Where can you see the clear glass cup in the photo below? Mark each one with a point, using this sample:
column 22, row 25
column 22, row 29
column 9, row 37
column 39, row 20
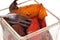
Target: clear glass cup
column 47, row 33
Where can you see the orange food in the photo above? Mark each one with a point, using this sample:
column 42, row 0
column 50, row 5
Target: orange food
column 31, row 11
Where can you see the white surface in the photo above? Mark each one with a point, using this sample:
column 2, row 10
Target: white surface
column 52, row 5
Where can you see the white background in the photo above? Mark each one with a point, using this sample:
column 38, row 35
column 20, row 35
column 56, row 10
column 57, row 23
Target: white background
column 52, row 5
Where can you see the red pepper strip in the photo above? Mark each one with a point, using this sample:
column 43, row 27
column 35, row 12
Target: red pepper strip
column 42, row 23
column 34, row 26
